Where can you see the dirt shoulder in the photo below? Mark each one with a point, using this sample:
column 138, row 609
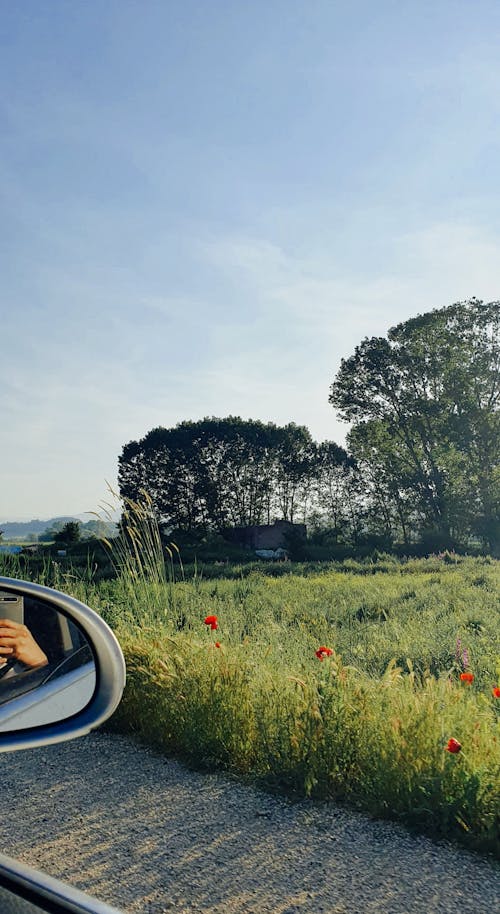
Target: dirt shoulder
column 146, row 834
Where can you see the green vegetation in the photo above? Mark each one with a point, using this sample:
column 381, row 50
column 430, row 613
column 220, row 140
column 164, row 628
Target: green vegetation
column 368, row 724
column 421, row 469
column 424, row 404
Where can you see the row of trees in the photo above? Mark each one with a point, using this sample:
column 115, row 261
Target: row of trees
column 70, row 532
column 220, row 473
column 422, row 458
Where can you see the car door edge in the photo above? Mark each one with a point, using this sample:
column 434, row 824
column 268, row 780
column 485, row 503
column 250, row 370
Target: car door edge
column 49, row 894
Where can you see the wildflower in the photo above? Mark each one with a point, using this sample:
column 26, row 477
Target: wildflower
column 467, row 677
column 217, row 644
column 212, row 622
column 461, row 655
column 323, row 652
column 495, row 692
column 453, row 745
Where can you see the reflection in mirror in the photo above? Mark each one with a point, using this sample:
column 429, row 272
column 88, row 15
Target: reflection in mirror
column 47, row 671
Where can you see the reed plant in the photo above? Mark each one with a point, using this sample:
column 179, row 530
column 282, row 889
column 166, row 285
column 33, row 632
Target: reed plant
column 145, row 567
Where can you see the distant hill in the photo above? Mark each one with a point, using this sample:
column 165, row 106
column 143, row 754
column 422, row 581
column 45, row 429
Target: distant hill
column 22, row 529
column 25, row 530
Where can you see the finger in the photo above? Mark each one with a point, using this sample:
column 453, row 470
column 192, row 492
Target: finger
column 5, row 651
column 9, row 623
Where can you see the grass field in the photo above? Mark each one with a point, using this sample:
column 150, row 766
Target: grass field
column 368, row 722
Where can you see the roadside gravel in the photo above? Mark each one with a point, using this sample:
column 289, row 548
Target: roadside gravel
column 148, row 835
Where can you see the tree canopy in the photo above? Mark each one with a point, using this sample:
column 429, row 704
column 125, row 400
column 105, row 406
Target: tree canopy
column 218, row 473
column 68, row 534
column 424, row 406
column 422, row 463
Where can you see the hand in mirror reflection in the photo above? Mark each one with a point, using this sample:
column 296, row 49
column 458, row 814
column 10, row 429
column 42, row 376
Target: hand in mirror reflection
column 39, row 647
column 17, row 644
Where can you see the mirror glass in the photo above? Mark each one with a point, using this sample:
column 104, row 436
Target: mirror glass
column 47, row 670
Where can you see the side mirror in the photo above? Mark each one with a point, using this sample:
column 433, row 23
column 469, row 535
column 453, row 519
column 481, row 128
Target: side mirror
column 62, row 671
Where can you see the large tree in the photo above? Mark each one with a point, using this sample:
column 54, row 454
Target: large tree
column 424, row 404
column 219, row 473
column 335, row 495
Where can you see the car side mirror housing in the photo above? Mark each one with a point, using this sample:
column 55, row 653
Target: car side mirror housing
column 62, row 671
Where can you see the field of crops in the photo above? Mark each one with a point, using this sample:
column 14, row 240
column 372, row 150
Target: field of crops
column 372, row 684
column 376, row 686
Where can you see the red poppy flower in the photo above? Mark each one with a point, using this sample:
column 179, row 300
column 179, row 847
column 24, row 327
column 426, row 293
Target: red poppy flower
column 495, row 692
column 467, row 677
column 323, row 652
column 453, row 745
column 212, row 622
column 217, row 644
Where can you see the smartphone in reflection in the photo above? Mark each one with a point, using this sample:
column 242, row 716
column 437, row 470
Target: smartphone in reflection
column 11, row 607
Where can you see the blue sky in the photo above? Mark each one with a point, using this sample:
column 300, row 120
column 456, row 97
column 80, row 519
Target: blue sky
column 206, row 205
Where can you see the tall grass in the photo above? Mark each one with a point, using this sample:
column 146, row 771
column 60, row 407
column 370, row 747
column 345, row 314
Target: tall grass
column 367, row 725
column 325, row 730
column 145, row 569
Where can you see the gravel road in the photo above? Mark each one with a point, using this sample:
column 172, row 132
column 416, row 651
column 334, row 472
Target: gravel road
column 147, row 835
